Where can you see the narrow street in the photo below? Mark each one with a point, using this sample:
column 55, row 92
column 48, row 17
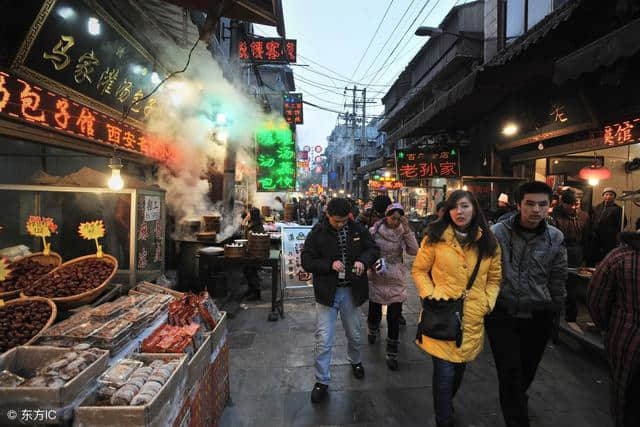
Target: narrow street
column 272, row 376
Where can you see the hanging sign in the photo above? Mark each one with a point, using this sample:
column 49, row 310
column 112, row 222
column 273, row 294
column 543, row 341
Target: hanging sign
column 26, row 102
column 80, row 47
column 275, row 158
column 293, row 108
column 420, row 164
column 266, row 50
column 42, row 227
column 318, row 149
column 92, row 231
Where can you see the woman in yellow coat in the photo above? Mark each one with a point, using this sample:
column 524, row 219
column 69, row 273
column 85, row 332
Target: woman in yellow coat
column 441, row 270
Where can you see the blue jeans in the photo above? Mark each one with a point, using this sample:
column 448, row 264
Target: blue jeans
column 326, row 331
column 447, row 377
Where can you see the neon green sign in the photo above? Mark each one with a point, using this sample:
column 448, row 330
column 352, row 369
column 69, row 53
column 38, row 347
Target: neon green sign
column 275, row 158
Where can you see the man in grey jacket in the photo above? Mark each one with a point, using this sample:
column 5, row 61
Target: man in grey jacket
column 534, row 272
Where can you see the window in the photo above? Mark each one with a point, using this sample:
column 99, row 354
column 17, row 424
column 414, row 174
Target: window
column 537, row 10
column 522, row 15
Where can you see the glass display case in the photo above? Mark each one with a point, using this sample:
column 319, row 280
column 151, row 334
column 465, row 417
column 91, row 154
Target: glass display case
column 140, row 254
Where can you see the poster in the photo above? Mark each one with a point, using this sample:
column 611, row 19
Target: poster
column 292, row 239
column 151, row 208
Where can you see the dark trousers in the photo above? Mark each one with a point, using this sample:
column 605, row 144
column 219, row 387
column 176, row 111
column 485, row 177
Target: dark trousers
column 253, row 278
column 447, row 377
column 571, row 302
column 517, row 346
column 393, row 318
column 632, row 409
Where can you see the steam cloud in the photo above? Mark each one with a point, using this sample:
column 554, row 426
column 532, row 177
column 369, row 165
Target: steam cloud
column 199, row 112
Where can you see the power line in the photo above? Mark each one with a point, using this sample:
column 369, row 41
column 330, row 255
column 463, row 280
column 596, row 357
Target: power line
column 372, row 38
column 403, row 36
column 390, row 36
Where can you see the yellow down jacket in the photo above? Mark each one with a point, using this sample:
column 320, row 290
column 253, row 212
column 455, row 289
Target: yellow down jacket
column 451, row 266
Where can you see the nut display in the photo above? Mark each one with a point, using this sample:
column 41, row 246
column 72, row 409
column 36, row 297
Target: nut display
column 72, row 279
column 19, row 322
column 23, row 274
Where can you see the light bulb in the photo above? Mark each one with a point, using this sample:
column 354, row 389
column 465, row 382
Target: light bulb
column 484, row 163
column 93, row 26
column 387, row 174
column 115, row 182
column 465, row 188
column 541, row 146
column 66, row 12
column 593, row 182
column 155, row 78
column 510, row 129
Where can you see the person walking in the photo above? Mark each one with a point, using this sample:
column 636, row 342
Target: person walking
column 387, row 282
column 534, row 273
column 251, row 272
column 455, row 247
column 607, row 223
column 613, row 299
column 574, row 225
column 338, row 252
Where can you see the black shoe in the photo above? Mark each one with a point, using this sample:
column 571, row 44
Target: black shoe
column 403, row 321
column 319, row 393
column 358, row 370
column 392, row 363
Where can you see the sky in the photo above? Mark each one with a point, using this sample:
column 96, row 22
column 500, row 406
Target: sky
column 332, row 37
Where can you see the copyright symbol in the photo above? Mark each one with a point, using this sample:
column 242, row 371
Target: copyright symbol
column 12, row 415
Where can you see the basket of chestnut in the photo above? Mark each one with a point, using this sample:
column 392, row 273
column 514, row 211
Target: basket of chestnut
column 23, row 320
column 25, row 271
column 76, row 282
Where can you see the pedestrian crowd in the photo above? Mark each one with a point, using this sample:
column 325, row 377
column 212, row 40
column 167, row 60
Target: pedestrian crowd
column 508, row 280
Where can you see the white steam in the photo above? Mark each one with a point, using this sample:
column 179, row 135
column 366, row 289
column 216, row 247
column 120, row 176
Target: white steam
column 198, row 112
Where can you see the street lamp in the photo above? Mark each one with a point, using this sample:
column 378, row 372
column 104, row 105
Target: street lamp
column 437, row 32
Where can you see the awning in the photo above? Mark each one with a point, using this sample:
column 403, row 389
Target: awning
column 375, row 165
column 266, row 12
column 621, row 43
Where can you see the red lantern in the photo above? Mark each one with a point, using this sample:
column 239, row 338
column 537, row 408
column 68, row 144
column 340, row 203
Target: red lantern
column 594, row 173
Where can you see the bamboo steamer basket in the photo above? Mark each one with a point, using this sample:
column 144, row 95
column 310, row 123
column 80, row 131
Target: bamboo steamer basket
column 52, row 259
column 235, row 251
column 85, row 297
column 52, row 317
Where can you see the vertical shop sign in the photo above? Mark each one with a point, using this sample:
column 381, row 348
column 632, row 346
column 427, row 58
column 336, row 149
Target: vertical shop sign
column 423, row 164
column 293, row 108
column 275, row 158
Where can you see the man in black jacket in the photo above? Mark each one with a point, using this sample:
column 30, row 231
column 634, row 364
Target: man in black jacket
column 607, row 222
column 338, row 252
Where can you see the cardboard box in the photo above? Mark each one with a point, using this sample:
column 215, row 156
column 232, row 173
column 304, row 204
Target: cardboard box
column 26, row 360
column 164, row 406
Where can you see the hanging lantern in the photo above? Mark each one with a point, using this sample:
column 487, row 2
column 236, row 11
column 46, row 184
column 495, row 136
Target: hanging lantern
column 594, row 173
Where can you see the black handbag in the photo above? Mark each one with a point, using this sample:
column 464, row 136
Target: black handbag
column 442, row 319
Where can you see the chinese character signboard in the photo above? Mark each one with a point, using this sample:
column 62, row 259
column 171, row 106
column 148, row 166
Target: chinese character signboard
column 267, row 50
column 385, row 185
column 27, row 102
column 424, row 164
column 81, row 50
column 275, row 158
column 293, row 108
column 622, row 133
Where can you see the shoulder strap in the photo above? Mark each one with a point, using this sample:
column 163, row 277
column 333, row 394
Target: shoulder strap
column 475, row 272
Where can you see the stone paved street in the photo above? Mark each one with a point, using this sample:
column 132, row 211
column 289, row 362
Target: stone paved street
column 272, row 376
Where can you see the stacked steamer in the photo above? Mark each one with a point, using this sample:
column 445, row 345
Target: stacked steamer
column 289, row 212
column 234, row 250
column 258, row 245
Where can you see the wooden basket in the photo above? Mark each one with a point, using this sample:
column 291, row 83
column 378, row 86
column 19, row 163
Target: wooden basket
column 52, row 318
column 52, row 259
column 85, row 297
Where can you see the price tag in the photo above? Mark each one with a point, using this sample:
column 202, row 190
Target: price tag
column 41, row 226
column 91, row 230
column 4, row 269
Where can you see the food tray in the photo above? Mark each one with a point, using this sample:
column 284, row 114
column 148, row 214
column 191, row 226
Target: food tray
column 52, row 259
column 88, row 296
column 155, row 413
column 26, row 360
column 52, row 317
